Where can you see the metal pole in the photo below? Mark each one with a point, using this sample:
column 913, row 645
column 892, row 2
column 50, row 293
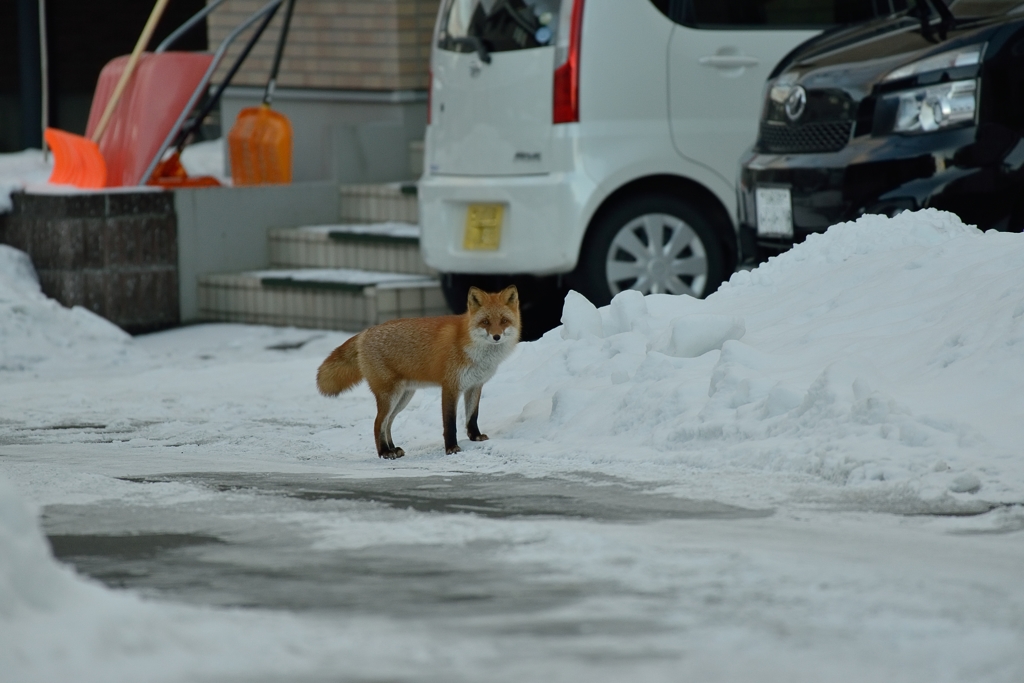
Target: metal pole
column 28, row 63
column 44, row 69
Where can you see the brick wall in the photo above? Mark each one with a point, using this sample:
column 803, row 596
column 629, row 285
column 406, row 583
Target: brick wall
column 115, row 254
column 337, row 44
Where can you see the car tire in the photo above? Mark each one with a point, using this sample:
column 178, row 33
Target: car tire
column 655, row 243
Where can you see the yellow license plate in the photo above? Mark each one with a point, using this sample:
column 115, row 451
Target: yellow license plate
column 483, row 227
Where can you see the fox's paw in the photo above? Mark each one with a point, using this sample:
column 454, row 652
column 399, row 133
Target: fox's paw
column 478, row 437
column 453, row 449
column 392, row 455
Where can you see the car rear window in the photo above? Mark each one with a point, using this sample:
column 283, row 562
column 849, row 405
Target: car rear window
column 498, row 25
column 781, row 14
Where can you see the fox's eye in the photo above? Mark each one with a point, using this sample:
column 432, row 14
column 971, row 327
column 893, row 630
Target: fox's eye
column 486, row 322
column 505, row 322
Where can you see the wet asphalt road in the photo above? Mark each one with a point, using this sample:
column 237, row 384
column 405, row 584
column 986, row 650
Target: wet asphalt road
column 308, row 542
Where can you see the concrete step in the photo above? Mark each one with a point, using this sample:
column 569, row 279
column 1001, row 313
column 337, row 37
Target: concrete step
column 379, row 203
column 391, row 247
column 333, row 299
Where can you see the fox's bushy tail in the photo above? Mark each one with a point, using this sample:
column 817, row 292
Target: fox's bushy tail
column 340, row 371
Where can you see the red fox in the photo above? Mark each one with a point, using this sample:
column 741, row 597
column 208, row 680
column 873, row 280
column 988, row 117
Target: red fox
column 457, row 352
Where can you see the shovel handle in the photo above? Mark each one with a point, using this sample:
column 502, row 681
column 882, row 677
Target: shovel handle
column 211, row 102
column 147, row 34
column 268, row 94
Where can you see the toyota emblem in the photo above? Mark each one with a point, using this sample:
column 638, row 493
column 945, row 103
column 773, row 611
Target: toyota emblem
column 796, row 103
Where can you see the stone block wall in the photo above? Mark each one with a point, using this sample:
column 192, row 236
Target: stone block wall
column 336, row 44
column 113, row 253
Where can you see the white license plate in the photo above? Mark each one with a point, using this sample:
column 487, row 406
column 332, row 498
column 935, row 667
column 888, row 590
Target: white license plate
column 774, row 212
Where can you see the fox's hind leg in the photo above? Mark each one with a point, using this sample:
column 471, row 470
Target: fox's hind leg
column 386, row 402
column 472, row 398
column 397, row 406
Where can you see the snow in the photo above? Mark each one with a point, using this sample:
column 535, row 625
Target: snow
column 344, row 276
column 207, row 158
column 38, row 332
column 386, row 229
column 30, row 170
column 882, row 357
column 19, row 169
column 864, row 386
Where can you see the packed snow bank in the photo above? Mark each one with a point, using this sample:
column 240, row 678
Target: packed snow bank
column 20, row 169
column 883, row 356
column 37, row 332
column 30, row 581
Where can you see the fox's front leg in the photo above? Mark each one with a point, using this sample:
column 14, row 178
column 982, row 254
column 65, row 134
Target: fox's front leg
column 449, row 409
column 472, row 412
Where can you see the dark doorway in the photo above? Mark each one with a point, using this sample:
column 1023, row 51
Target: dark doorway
column 82, row 37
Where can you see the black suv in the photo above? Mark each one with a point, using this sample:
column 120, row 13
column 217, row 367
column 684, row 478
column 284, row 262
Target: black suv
column 925, row 109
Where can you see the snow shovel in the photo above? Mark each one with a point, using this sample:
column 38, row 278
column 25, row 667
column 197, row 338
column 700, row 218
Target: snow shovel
column 260, row 142
column 76, row 159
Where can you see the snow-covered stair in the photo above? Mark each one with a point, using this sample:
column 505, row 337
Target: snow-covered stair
column 360, row 272
column 332, row 298
column 391, row 247
column 379, row 203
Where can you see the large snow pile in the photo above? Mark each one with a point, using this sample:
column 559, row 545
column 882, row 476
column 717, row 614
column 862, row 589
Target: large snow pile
column 20, row 169
column 36, row 332
column 885, row 356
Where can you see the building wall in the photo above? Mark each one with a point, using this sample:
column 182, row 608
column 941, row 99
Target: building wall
column 348, row 136
column 337, row 44
column 225, row 229
column 114, row 253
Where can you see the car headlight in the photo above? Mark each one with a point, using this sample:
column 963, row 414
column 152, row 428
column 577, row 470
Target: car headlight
column 969, row 56
column 935, row 107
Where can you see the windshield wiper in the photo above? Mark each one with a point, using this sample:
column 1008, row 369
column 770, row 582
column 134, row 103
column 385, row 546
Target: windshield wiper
column 947, row 20
column 477, row 45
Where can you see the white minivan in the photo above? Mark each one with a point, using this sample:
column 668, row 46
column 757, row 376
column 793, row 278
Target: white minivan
column 594, row 144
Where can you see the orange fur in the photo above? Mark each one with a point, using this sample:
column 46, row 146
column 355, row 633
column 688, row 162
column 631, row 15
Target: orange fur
column 456, row 352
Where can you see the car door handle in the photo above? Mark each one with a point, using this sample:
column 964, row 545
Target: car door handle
column 728, row 61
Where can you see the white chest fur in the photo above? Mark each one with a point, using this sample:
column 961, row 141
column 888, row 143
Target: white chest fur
column 484, row 361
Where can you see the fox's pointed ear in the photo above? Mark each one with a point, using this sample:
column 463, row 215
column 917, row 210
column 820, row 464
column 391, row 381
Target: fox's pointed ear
column 510, row 295
column 475, row 299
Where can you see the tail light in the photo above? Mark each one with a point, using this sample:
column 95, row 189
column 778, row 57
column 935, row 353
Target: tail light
column 567, row 75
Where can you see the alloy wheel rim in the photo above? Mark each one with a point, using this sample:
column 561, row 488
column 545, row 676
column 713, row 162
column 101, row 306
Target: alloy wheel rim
column 657, row 253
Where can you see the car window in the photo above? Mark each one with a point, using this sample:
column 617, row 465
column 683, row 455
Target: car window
column 784, row 14
column 497, row 25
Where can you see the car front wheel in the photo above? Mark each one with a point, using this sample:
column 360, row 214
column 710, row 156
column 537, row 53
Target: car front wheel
column 657, row 244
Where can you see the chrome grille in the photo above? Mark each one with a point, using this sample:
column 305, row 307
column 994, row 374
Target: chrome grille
column 804, row 138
